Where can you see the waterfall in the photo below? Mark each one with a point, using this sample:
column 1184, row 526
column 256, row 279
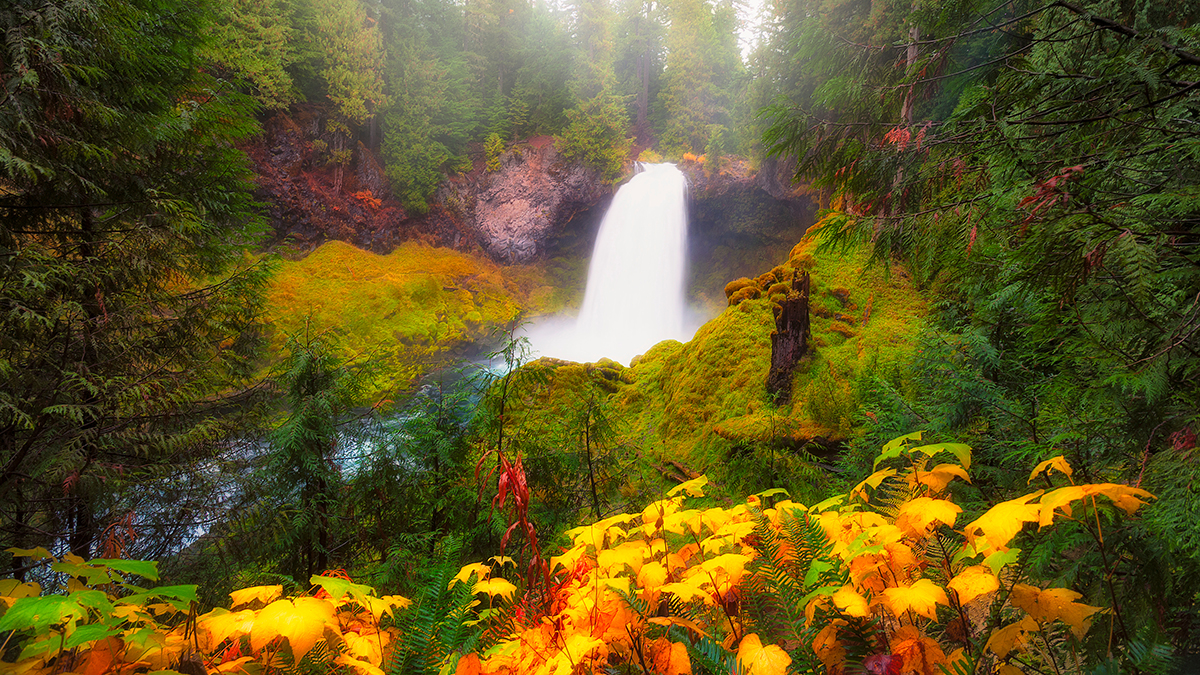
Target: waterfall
column 635, row 288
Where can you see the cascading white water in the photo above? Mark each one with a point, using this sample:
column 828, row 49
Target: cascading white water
column 634, row 297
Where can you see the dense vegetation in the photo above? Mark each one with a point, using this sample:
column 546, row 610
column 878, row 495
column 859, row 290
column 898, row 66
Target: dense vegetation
column 1007, row 261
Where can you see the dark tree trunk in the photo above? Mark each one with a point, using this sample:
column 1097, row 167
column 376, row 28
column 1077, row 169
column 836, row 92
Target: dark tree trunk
column 789, row 340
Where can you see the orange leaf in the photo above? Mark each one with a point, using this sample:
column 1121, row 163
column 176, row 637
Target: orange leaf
column 759, row 660
column 939, row 477
column 468, row 665
column 678, row 621
column 973, row 582
column 670, row 658
column 922, row 598
column 920, row 653
column 1054, row 603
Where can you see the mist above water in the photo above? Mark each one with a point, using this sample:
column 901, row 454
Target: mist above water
column 635, row 288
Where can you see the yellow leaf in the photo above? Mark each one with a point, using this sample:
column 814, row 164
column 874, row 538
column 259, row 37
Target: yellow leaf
column 684, row 521
column 1128, row 499
column 1058, row 464
column 301, row 623
column 235, row 666
column 361, row 667
column 828, row 648
column 364, row 647
column 678, row 621
column 732, row 564
column 219, row 626
column 916, row 515
column 1054, row 603
column 873, row 481
column 1002, row 522
column 569, row 558
column 939, row 477
column 973, row 582
column 1012, row 636
column 686, row 592
column 922, row 598
column 262, row 593
column 849, row 601
column 480, row 570
column 494, row 587
column 692, row 487
column 652, row 575
column 759, row 660
column 631, row 553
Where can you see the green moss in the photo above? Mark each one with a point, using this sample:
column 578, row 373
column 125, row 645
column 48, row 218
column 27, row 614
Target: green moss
column 406, row 311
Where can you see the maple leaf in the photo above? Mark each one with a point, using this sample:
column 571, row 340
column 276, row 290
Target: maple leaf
column 678, row 621
column 686, row 592
column 828, row 648
column 939, row 477
column 480, row 570
column 873, row 481
column 916, row 515
column 693, row 487
column 301, row 623
column 631, row 554
column 921, row 654
column 850, row 602
column 262, row 593
column 759, row 660
column 1126, row 498
column 922, row 597
column 1054, row 603
column 1002, row 522
column 220, row 624
column 1012, row 636
column 361, row 667
column 468, row 665
column 652, row 576
column 973, row 582
column 494, row 587
column 1058, row 464
column 670, row 658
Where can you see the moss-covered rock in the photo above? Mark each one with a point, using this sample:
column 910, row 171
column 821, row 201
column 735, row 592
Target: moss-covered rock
column 409, row 311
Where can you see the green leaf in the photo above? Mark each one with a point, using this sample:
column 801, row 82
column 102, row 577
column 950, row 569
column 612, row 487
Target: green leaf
column 41, row 612
column 896, row 447
column 39, row 553
column 142, row 568
column 90, row 633
column 339, row 588
column 180, row 597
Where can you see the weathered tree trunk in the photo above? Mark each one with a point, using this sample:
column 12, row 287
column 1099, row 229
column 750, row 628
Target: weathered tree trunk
column 789, row 340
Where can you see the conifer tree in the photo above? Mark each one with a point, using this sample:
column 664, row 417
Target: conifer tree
column 128, row 314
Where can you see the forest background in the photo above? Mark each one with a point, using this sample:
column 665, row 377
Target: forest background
column 1030, row 167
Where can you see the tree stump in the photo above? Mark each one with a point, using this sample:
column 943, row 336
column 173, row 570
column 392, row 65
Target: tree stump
column 789, row 340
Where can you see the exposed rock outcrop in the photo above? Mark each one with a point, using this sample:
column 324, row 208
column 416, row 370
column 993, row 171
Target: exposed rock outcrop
column 298, row 183
column 515, row 211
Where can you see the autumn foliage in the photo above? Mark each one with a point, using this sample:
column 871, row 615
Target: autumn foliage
column 883, row 579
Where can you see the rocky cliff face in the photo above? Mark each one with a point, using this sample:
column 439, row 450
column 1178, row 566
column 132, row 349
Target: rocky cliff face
column 529, row 208
column 515, row 211
column 310, row 199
